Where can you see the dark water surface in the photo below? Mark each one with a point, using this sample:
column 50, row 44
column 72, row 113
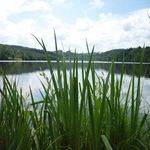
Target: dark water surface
column 28, row 73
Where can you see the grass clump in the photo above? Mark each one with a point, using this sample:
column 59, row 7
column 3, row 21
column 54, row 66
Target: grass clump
column 73, row 114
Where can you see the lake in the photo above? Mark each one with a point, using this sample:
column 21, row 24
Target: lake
column 28, row 74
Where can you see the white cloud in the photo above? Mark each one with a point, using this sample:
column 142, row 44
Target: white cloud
column 19, row 32
column 112, row 31
column 97, row 3
column 36, row 5
column 109, row 31
column 8, row 7
column 58, row 2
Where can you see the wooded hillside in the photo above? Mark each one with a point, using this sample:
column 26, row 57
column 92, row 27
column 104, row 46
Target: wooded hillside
column 13, row 52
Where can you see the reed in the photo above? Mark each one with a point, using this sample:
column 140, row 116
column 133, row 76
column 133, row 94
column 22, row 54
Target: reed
column 90, row 114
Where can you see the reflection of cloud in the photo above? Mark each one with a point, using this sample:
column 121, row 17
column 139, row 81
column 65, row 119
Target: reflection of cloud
column 33, row 80
column 146, row 89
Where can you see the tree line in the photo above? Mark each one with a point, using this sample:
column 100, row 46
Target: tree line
column 13, row 52
column 129, row 55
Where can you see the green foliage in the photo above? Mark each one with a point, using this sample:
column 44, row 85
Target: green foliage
column 74, row 114
column 12, row 52
column 129, row 55
column 15, row 129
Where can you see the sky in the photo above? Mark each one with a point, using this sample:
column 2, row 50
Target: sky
column 106, row 24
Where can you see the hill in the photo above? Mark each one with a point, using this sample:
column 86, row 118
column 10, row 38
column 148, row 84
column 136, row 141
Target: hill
column 13, row 52
column 129, row 55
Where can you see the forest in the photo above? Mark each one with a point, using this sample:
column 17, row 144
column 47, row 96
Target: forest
column 13, row 52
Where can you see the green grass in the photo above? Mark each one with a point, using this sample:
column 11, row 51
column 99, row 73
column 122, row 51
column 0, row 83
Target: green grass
column 90, row 114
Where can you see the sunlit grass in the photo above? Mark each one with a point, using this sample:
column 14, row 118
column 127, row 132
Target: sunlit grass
column 89, row 114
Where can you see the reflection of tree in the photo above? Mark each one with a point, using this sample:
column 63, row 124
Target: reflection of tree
column 22, row 67
column 25, row 67
column 129, row 69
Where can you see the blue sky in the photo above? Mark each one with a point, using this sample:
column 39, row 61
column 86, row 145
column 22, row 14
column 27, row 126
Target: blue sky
column 107, row 24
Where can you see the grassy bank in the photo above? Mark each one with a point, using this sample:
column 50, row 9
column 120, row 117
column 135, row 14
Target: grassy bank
column 88, row 115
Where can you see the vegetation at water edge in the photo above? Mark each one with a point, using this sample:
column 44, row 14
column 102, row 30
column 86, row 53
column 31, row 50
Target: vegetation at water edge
column 13, row 52
column 73, row 114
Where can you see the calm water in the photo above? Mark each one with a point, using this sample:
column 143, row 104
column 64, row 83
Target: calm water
column 29, row 74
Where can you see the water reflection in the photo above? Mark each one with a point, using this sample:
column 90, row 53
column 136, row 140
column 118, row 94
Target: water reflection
column 22, row 67
column 28, row 74
column 26, row 67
